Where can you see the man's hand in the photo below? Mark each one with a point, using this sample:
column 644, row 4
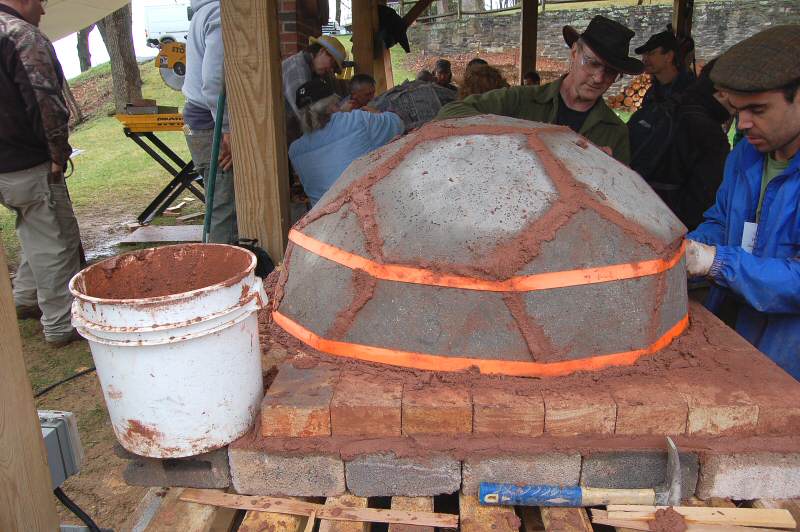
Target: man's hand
column 56, row 169
column 225, row 155
column 699, row 258
column 347, row 106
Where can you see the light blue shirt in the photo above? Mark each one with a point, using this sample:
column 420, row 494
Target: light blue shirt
column 320, row 157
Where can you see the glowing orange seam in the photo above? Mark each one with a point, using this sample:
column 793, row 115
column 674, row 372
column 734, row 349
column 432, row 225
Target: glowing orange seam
column 443, row 363
column 521, row 283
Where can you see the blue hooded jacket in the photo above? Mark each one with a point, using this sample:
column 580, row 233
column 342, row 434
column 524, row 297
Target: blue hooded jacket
column 766, row 282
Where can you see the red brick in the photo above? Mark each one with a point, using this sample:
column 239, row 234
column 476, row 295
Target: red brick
column 579, row 412
column 649, row 409
column 436, row 410
column 363, row 407
column 298, row 402
column 502, row 412
column 716, row 411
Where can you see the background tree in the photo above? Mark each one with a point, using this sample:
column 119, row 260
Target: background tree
column 338, row 15
column 84, row 56
column 118, row 36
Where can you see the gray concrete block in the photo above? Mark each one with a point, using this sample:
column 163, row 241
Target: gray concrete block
column 385, row 475
column 546, row 468
column 750, row 476
column 262, row 473
column 207, row 470
column 636, row 469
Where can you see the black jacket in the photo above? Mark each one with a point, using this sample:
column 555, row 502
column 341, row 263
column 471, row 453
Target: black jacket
column 692, row 170
column 33, row 113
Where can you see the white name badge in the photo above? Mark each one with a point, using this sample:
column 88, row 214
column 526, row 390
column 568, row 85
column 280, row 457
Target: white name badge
column 749, row 236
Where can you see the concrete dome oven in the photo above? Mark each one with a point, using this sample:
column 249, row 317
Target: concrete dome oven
column 507, row 245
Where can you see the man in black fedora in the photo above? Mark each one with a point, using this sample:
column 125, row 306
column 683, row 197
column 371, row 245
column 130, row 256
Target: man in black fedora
column 598, row 57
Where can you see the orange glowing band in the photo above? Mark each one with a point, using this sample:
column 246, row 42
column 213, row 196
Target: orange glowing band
column 521, row 283
column 514, row 368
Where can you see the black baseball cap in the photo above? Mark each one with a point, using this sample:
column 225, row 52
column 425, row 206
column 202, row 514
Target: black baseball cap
column 665, row 40
column 312, row 91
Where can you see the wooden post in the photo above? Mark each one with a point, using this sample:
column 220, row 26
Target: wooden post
column 258, row 129
column 682, row 11
column 415, row 11
column 371, row 57
column 529, row 29
column 26, row 493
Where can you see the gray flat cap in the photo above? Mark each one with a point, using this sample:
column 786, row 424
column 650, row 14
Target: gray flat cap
column 766, row 61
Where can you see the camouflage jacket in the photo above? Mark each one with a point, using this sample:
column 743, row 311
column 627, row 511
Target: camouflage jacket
column 33, row 113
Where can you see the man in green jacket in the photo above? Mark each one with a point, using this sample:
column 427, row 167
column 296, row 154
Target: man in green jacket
column 598, row 57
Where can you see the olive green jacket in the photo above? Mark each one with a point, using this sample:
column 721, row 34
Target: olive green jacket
column 540, row 103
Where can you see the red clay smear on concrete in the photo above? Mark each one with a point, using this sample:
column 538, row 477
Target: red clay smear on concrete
column 363, row 289
column 283, row 276
column 165, row 271
column 538, row 343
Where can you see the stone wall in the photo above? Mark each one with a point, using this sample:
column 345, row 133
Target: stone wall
column 717, row 26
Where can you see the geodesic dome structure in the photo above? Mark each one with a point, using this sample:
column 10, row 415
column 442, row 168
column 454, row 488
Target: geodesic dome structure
column 490, row 242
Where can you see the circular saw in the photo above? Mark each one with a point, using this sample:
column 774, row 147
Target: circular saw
column 171, row 63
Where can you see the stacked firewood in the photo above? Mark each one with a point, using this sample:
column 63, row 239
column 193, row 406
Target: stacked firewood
column 630, row 98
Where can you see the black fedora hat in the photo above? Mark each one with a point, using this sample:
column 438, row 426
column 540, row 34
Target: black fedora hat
column 608, row 39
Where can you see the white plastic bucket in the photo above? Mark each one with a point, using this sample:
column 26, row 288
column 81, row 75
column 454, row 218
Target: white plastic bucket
column 174, row 336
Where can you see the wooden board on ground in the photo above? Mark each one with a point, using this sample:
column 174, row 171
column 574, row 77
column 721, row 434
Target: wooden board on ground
column 296, row 507
column 477, row 518
column 269, row 522
column 344, row 501
column 565, row 520
column 790, row 505
column 770, row 518
column 175, row 514
column 412, row 504
column 153, row 234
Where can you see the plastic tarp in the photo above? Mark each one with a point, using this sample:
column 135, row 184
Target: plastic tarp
column 64, row 17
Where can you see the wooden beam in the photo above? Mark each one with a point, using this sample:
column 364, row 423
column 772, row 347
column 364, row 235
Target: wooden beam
column 416, row 11
column 682, row 11
column 26, row 493
column 529, row 28
column 258, row 131
column 370, row 55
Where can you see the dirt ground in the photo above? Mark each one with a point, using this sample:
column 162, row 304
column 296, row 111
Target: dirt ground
column 98, row 489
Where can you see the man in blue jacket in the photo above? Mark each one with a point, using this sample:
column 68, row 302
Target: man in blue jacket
column 749, row 243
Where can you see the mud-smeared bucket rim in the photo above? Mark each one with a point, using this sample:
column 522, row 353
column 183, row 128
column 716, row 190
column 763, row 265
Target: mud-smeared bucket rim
column 165, row 298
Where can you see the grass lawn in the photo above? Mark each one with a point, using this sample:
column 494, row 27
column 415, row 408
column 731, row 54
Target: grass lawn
column 113, row 179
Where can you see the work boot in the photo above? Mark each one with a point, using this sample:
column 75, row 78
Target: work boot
column 60, row 340
column 28, row 312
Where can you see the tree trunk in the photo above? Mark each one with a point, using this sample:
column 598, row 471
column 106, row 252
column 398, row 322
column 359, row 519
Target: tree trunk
column 74, row 109
column 338, row 16
column 118, row 36
column 84, row 56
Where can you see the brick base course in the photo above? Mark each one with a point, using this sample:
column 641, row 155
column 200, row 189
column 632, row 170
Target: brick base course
column 547, row 468
column 383, row 475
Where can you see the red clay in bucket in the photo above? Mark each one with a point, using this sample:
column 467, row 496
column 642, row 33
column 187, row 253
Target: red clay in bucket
column 165, row 271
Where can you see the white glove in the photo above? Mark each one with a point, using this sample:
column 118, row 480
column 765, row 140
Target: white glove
column 699, row 258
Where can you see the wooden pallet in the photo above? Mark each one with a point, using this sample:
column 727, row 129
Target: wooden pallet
column 162, row 510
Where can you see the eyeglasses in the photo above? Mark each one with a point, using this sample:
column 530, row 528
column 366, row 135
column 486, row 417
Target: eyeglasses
column 594, row 66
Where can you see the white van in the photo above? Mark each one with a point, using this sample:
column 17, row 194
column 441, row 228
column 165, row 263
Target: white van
column 166, row 22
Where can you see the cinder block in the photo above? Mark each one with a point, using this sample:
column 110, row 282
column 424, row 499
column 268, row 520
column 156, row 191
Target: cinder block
column 384, row 475
column 436, row 410
column 362, row 406
column 546, row 468
column 750, row 476
column 207, row 470
column 579, row 412
column 636, row 469
column 503, row 412
column 261, row 473
column 298, row 402
column 649, row 410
